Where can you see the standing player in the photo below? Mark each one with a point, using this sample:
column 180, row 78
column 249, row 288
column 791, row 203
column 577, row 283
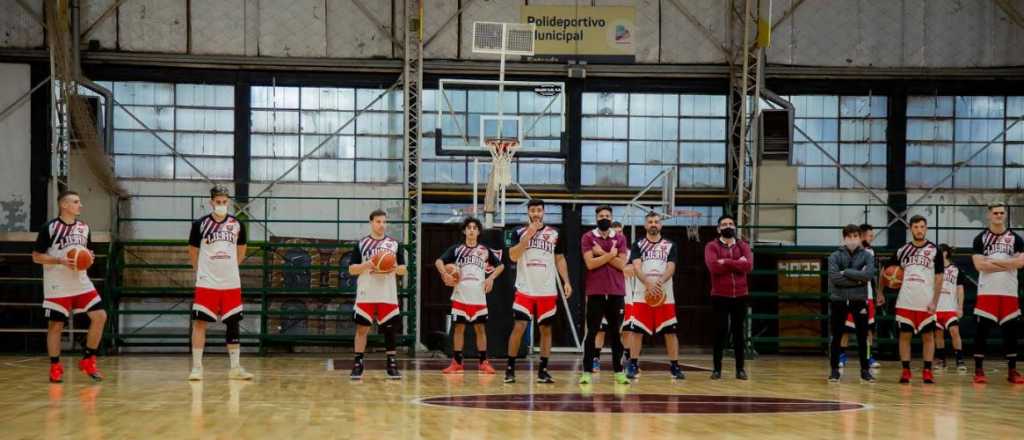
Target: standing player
column 624, row 334
column 216, row 245
column 923, row 270
column 539, row 254
column 469, row 300
column 867, row 235
column 851, row 269
column 377, row 294
column 654, row 262
column 66, row 290
column 729, row 261
column 949, row 311
column 997, row 256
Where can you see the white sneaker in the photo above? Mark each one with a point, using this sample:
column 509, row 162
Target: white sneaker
column 239, row 374
column 196, row 374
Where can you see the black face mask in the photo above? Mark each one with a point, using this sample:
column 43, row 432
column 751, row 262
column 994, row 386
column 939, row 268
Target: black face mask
column 728, row 233
column 604, row 224
column 864, row 244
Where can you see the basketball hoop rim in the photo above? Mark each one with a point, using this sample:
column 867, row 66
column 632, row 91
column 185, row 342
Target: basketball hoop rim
column 508, row 144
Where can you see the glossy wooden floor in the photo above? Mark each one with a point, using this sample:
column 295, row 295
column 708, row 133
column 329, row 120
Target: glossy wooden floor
column 291, row 398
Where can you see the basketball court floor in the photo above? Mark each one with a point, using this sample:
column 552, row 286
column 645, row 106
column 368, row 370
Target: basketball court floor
column 312, row 397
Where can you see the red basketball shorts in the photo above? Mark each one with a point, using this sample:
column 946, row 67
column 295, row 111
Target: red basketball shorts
column 653, row 320
column 945, row 319
column 213, row 304
column 382, row 313
column 60, row 309
column 469, row 313
column 539, row 309
column 917, row 320
column 998, row 308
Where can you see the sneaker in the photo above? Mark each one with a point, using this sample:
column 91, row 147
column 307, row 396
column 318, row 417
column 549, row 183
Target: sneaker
column 621, row 379
column 906, row 376
column 842, row 360
column 741, row 375
column 453, row 368
column 979, row 376
column 1014, row 377
column 961, row 366
column 585, row 378
column 940, row 364
column 510, row 376
column 677, row 372
column 392, row 371
column 928, row 376
column 632, row 370
column 485, row 368
column 596, row 366
column 357, row 371
column 865, row 376
column 544, row 377
column 834, row 376
column 88, row 366
column 239, row 373
column 56, row 373
column 874, row 363
column 716, row 375
column 196, row 374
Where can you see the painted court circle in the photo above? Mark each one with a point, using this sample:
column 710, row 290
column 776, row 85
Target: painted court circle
column 641, row 403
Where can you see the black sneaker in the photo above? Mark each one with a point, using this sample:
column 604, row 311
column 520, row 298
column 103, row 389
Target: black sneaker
column 510, row 376
column 392, row 371
column 544, row 377
column 741, row 374
column 716, row 375
column 834, row 377
column 357, row 371
column 676, row 372
column 865, row 376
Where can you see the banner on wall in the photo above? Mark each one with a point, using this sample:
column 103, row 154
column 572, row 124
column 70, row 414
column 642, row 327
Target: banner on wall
column 586, row 33
column 799, row 276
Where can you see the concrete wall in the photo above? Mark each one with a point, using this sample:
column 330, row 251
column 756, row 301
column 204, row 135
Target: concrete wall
column 15, row 148
column 776, row 183
column 862, row 33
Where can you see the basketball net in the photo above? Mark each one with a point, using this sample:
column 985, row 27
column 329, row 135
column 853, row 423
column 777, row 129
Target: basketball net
column 502, row 151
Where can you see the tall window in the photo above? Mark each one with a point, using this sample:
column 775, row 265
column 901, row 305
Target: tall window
column 699, row 216
column 628, row 138
column 468, row 106
column 196, row 119
column 290, row 122
column 943, row 131
column 851, row 129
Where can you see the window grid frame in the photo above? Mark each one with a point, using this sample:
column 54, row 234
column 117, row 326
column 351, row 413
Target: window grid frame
column 839, row 143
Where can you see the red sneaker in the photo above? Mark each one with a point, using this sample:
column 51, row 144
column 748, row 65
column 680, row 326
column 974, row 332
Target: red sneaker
column 905, row 377
column 56, row 373
column 928, row 376
column 453, row 368
column 485, row 368
column 88, row 366
column 979, row 376
column 1014, row 377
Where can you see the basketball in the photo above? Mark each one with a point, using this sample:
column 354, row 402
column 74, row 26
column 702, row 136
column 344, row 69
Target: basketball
column 452, row 270
column 384, row 262
column 654, row 298
column 892, row 277
column 81, row 257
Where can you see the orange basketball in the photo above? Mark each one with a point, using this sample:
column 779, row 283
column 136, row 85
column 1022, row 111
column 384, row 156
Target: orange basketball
column 892, row 277
column 384, row 262
column 452, row 270
column 81, row 257
column 654, row 298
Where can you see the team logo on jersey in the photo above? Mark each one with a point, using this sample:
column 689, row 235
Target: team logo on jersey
column 544, row 241
column 924, row 257
column 999, row 244
column 951, row 275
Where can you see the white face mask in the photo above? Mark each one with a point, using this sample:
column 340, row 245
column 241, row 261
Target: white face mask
column 852, row 244
column 220, row 210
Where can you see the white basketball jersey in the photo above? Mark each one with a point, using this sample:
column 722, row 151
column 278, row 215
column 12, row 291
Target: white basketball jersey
column 998, row 246
column 654, row 258
column 374, row 287
column 920, row 265
column 536, row 274
column 951, row 278
column 217, row 265
column 472, row 263
column 55, row 239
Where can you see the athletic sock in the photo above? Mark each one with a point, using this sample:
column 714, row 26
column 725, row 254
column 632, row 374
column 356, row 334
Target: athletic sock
column 511, row 364
column 88, row 352
column 234, row 354
column 625, row 352
column 1011, row 361
column 979, row 362
column 940, row 354
column 543, row 363
column 359, row 358
column 927, row 365
column 959, row 354
column 391, row 359
column 675, row 364
column 458, row 357
column 197, row 358
column 483, row 356
column 906, row 364
column 54, row 359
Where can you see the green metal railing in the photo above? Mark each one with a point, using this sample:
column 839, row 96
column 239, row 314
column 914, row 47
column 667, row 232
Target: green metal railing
column 258, row 272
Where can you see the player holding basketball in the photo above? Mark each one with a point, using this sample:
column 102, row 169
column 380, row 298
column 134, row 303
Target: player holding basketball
column 377, row 294
column 604, row 254
column 949, row 311
column 67, row 290
column 998, row 254
column 654, row 262
column 472, row 283
column 216, row 246
column 923, row 269
column 539, row 254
